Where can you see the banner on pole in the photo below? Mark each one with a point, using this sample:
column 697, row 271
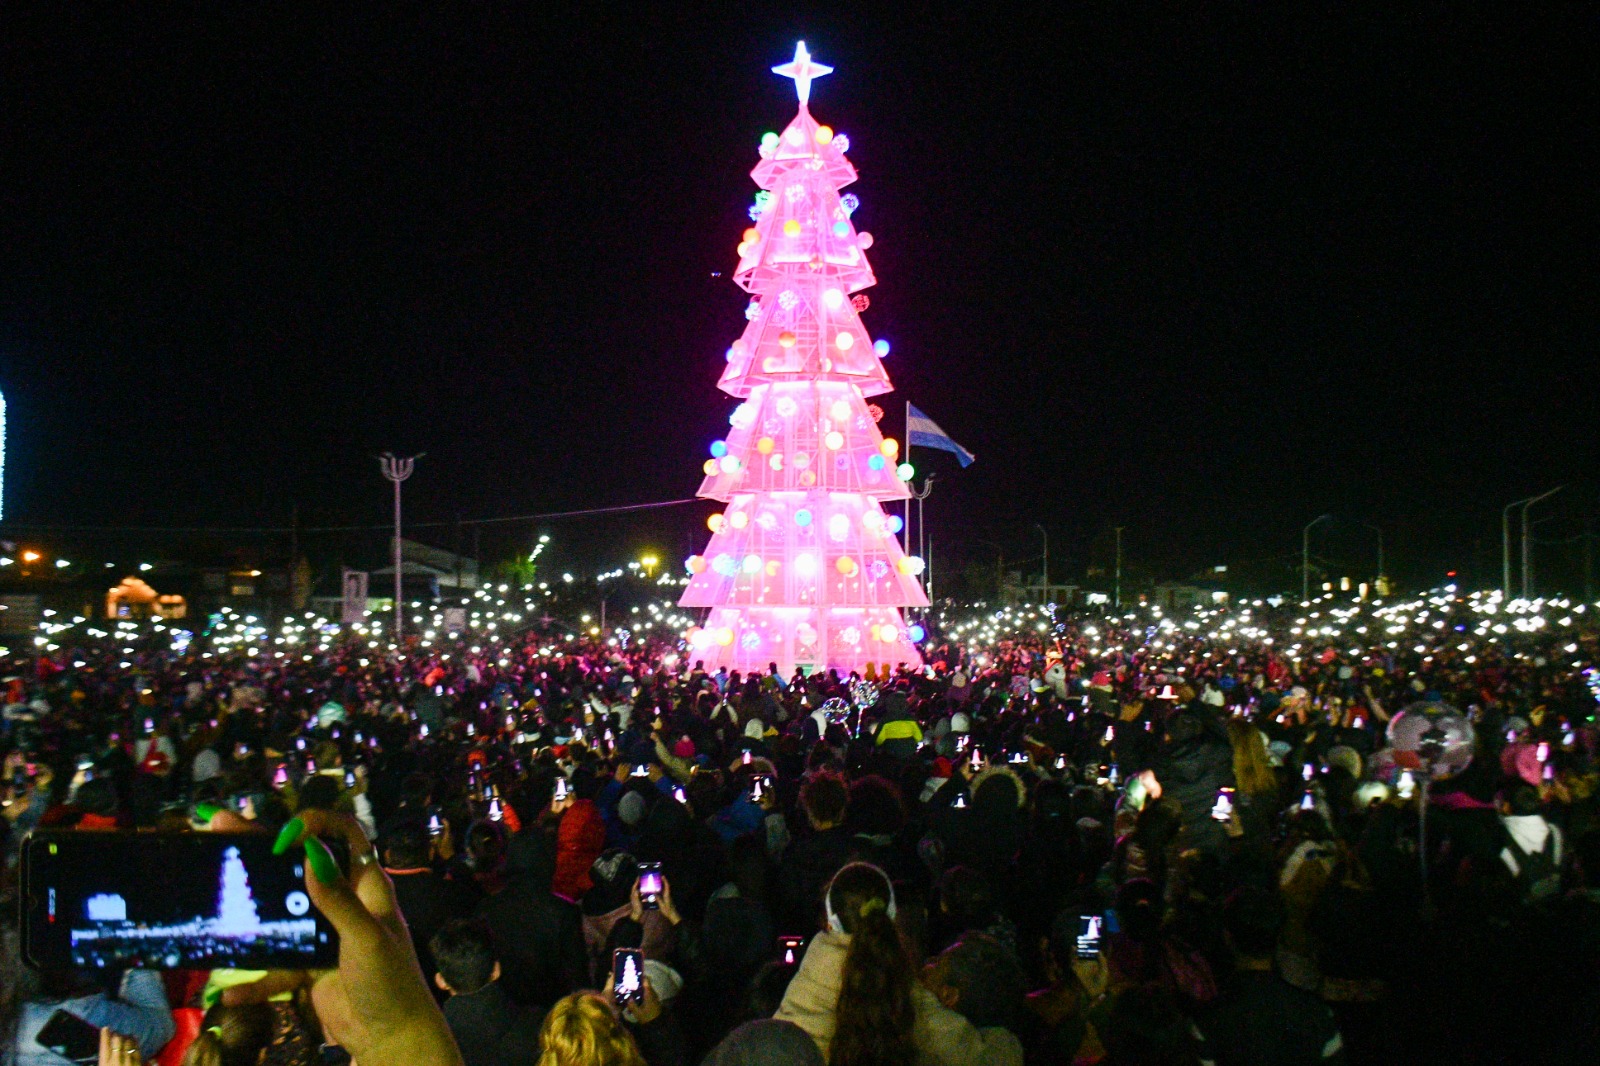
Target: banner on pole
column 355, row 597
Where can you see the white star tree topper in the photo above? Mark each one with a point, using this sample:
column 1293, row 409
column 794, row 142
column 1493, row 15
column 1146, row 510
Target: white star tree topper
column 802, row 70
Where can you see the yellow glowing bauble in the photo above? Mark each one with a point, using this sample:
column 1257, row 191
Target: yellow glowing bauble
column 752, row 235
column 834, row 440
column 773, row 567
column 840, row 410
column 910, row 564
column 786, row 339
column 890, row 447
column 823, row 135
column 724, row 636
column 791, row 228
column 711, row 468
column 765, row 445
column 875, row 630
column 697, row 564
column 846, row 565
column 771, row 364
column 739, row 519
column 888, row 634
column 715, row 522
column 743, row 249
column 844, row 341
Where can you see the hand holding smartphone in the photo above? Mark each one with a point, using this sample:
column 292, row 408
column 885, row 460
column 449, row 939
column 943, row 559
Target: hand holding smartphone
column 627, row 977
column 70, row 1037
column 650, row 885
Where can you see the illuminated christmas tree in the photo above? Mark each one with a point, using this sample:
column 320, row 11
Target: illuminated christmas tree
column 803, row 567
column 236, row 907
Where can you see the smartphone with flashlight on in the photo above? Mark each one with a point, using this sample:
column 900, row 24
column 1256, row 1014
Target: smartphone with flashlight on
column 1222, row 810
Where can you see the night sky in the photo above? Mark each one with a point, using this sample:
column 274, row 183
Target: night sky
column 1205, row 277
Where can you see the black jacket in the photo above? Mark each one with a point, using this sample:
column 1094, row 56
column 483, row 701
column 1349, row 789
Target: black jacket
column 491, row 1030
column 540, row 942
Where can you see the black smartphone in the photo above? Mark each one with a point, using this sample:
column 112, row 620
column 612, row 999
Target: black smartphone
column 168, row 901
column 650, row 885
column 641, row 769
column 1090, row 929
column 627, row 976
column 790, row 947
column 70, row 1037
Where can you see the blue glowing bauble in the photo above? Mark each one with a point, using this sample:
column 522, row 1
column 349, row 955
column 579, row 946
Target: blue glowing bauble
column 916, row 633
column 881, row 346
column 802, row 518
column 725, row 565
column 875, row 462
column 841, row 228
column 719, row 448
column 751, row 640
column 895, row 524
column 850, row 201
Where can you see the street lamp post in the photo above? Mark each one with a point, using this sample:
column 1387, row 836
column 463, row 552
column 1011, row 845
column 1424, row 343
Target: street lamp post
column 1305, row 556
column 1046, row 535
column 1527, row 556
column 1116, row 587
column 397, row 470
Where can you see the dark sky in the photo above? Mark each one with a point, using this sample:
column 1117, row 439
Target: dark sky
column 1206, row 277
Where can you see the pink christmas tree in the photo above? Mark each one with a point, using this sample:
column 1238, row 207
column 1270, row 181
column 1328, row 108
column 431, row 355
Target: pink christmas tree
column 803, row 568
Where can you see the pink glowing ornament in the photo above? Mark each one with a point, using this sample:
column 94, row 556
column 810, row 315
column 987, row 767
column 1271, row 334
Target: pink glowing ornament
column 802, row 564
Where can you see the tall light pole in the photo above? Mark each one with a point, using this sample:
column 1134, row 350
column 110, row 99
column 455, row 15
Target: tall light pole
column 1305, row 556
column 1116, row 588
column 1046, row 535
column 1527, row 565
column 397, row 470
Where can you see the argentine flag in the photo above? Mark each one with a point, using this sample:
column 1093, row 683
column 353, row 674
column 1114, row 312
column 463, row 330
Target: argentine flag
column 924, row 432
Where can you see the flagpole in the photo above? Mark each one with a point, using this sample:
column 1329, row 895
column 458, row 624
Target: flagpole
column 906, row 544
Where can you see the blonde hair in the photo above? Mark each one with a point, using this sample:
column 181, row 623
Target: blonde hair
column 1252, row 771
column 581, row 1030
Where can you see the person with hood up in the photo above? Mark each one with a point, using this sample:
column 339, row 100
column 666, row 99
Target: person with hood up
column 899, row 735
column 1194, row 763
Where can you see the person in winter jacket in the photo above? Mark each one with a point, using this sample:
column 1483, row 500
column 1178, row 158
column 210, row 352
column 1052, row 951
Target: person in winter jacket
column 580, row 837
column 899, row 735
column 857, row 993
column 1194, row 763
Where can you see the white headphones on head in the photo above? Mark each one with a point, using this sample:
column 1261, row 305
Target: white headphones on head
column 834, row 924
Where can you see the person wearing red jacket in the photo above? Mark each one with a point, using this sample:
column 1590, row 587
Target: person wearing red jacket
column 580, row 837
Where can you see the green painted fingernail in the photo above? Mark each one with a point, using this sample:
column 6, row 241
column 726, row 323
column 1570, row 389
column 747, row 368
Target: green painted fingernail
column 321, row 861
column 206, row 811
column 288, row 835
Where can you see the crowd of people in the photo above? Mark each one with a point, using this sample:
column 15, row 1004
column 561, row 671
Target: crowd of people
column 1141, row 837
